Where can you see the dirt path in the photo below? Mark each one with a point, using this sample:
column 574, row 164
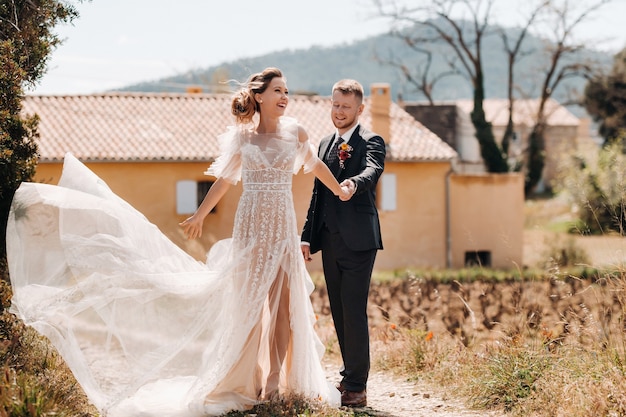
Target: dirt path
column 390, row 396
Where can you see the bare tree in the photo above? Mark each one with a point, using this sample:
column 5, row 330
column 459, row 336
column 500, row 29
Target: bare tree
column 462, row 25
column 513, row 49
column 421, row 78
column 440, row 19
column 563, row 17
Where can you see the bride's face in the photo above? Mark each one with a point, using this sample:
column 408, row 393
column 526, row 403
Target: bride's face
column 274, row 99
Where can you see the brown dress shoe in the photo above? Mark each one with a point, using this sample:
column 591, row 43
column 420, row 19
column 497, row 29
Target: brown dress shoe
column 341, row 387
column 354, row 399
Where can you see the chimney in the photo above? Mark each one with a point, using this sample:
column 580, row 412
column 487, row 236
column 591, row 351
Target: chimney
column 380, row 102
column 193, row 90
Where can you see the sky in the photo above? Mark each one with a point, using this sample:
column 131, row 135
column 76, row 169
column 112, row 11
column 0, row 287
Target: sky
column 115, row 43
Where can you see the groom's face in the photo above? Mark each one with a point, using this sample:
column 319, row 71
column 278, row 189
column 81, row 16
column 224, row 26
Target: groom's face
column 345, row 111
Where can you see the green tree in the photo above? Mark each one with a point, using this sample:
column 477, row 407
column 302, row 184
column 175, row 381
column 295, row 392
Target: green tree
column 605, row 100
column 26, row 41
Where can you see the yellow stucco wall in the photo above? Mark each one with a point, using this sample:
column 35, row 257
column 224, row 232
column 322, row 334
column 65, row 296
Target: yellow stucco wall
column 487, row 214
column 414, row 235
column 151, row 189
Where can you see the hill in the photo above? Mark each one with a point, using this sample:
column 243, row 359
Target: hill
column 315, row 69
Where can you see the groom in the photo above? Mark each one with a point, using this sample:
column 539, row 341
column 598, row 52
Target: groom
column 348, row 233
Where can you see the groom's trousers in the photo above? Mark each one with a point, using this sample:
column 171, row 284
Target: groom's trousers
column 348, row 274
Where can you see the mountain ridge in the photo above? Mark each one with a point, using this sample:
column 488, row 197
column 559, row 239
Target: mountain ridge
column 314, row 70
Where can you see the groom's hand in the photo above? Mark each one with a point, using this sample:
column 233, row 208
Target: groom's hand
column 350, row 186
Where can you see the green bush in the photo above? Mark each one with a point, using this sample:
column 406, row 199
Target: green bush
column 596, row 185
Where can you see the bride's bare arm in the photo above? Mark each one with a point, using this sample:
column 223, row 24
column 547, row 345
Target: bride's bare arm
column 193, row 225
column 322, row 172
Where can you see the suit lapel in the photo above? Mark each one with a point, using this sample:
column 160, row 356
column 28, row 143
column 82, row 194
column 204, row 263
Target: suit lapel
column 324, row 147
column 354, row 138
column 323, row 151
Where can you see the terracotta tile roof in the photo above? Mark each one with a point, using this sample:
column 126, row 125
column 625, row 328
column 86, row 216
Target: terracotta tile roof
column 524, row 112
column 411, row 140
column 183, row 127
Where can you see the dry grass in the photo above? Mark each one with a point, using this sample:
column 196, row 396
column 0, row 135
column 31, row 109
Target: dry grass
column 521, row 369
column 554, row 345
column 34, row 380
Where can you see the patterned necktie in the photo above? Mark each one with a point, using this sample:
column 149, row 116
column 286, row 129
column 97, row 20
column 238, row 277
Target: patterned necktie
column 333, row 153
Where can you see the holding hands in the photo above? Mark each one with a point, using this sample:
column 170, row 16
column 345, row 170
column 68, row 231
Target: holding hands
column 348, row 188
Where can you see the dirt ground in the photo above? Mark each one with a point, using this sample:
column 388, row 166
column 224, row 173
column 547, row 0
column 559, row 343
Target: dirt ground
column 389, row 396
column 603, row 251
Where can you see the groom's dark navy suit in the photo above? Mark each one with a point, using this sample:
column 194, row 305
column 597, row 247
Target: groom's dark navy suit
column 348, row 234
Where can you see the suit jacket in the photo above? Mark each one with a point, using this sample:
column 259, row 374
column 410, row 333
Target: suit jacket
column 357, row 218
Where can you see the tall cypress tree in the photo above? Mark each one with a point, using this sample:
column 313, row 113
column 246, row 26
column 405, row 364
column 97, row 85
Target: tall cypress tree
column 26, row 42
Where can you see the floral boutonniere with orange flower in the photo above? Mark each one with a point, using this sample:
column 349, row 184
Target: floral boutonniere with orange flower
column 344, row 153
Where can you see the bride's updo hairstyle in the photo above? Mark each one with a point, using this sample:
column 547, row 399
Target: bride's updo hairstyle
column 244, row 104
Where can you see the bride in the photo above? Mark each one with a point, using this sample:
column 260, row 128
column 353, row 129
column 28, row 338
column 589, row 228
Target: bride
column 146, row 329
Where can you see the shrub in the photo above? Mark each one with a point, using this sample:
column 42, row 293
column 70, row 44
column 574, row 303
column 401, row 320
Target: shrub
column 597, row 187
column 563, row 251
column 34, row 380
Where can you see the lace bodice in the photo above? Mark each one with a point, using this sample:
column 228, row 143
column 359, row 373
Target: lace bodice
column 265, row 163
column 269, row 158
column 265, row 220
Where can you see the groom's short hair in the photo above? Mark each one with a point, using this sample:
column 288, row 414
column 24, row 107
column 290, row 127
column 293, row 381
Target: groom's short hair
column 348, row 86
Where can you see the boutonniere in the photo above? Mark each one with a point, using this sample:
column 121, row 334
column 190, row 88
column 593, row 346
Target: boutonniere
column 344, row 153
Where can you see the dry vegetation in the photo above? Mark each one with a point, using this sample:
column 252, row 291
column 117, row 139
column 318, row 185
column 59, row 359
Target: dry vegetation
column 34, row 380
column 547, row 340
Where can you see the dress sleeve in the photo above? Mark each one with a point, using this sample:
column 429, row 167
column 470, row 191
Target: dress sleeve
column 305, row 157
column 228, row 164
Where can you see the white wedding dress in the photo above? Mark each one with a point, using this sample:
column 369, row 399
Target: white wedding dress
column 146, row 329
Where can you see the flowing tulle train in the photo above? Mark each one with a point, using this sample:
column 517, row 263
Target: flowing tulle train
column 146, row 329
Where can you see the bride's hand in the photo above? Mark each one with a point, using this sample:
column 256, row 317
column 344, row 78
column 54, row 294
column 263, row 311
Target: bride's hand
column 192, row 227
column 346, row 193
